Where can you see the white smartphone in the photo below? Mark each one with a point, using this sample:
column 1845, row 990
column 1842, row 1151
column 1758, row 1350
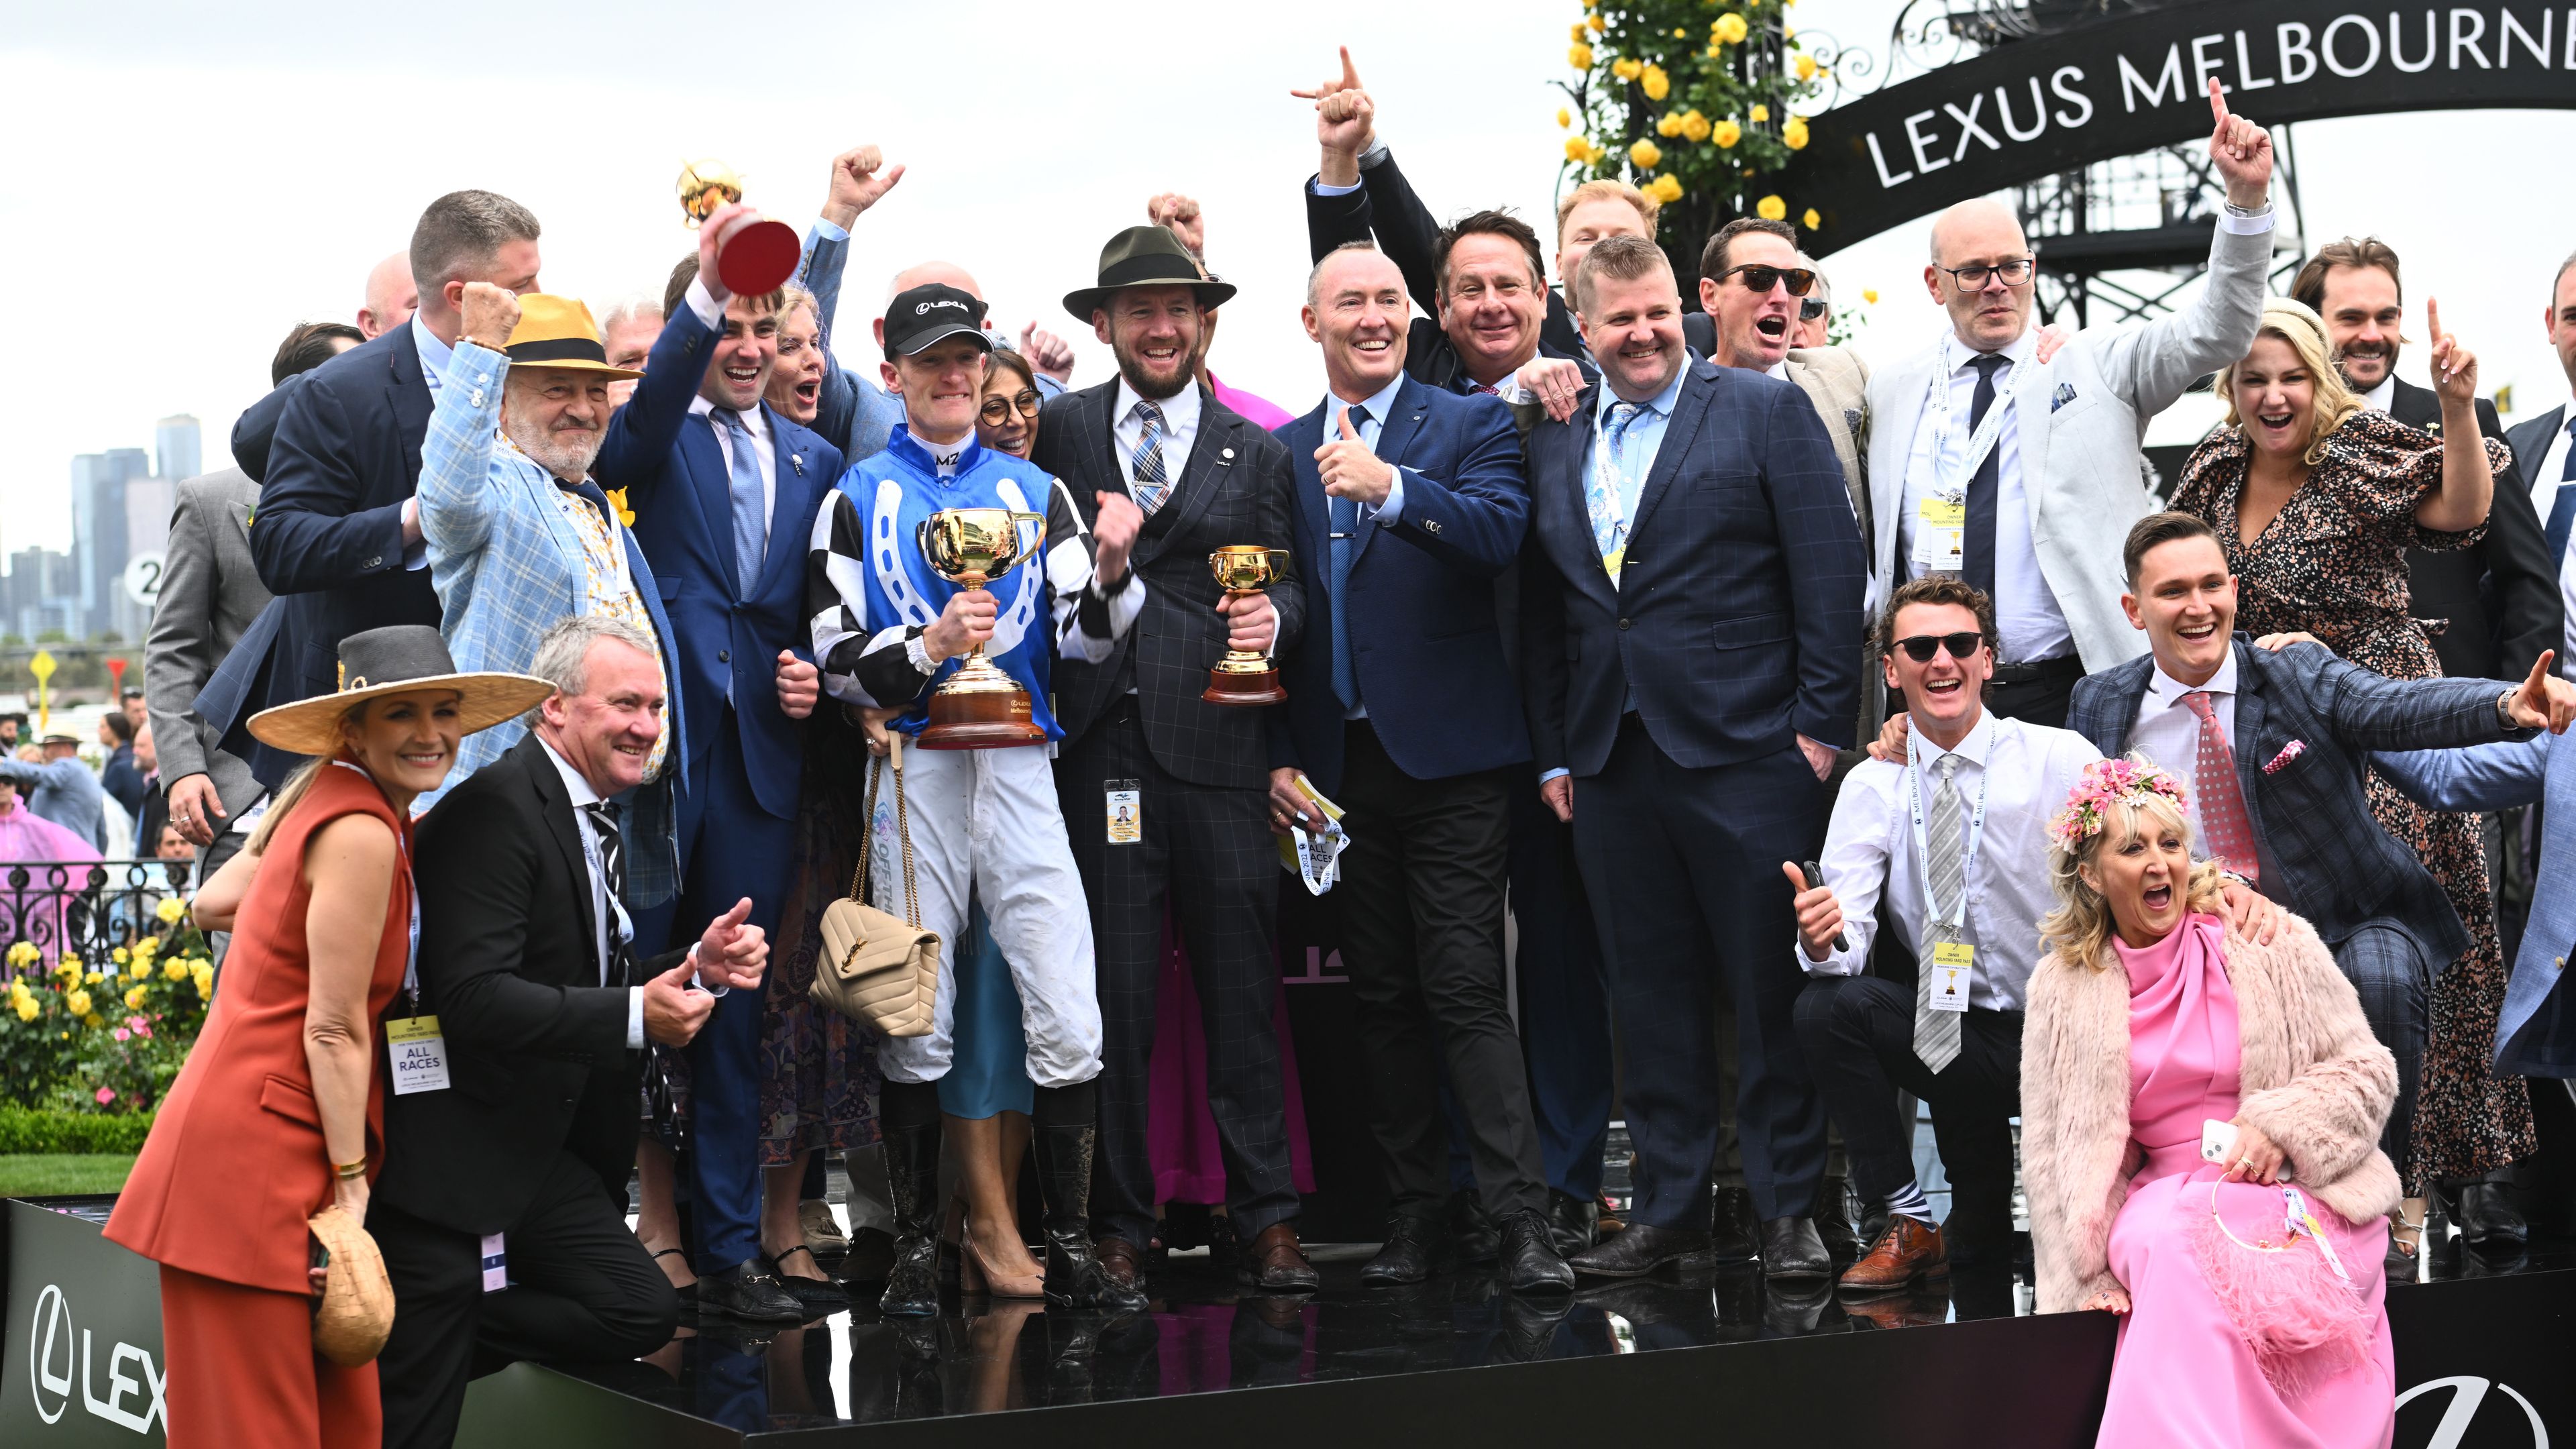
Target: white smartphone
column 2218, row 1139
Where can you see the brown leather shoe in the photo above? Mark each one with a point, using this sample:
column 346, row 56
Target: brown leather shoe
column 1121, row 1260
column 1909, row 1249
column 1274, row 1263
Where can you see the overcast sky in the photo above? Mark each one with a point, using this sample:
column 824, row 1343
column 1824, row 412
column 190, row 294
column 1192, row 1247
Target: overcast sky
column 195, row 179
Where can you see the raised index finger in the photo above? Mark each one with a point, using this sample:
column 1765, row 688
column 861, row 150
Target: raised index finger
column 2217, row 106
column 2433, row 316
column 1350, row 77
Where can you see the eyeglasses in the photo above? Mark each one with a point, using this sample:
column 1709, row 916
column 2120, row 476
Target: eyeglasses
column 1921, row 647
column 997, row 410
column 1972, row 277
column 1760, row 278
column 1811, row 309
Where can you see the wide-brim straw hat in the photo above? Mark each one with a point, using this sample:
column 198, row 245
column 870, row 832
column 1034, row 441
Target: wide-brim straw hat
column 356, row 1313
column 559, row 332
column 397, row 659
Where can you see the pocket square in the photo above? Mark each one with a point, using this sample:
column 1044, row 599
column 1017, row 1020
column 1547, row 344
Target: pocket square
column 2281, row 761
column 2065, row 395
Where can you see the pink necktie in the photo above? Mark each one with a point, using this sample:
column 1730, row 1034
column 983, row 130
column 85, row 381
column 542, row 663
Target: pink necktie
column 1480, row 387
column 2222, row 800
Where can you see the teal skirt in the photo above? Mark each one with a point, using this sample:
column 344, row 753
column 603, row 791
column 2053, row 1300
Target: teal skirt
column 988, row 1064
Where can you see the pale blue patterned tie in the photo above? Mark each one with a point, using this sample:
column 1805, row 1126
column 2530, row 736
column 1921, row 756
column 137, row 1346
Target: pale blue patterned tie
column 750, row 509
column 1601, row 494
column 1153, row 480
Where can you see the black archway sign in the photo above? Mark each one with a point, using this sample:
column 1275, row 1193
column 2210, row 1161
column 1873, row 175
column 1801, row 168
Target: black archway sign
column 2121, row 86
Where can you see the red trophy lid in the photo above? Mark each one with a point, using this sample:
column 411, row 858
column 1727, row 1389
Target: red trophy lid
column 759, row 258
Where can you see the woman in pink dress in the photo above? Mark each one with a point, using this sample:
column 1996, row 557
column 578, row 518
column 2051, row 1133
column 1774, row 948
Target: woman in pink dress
column 2249, row 1286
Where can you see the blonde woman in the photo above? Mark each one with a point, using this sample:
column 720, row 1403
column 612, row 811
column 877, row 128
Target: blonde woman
column 2316, row 500
column 2251, row 1284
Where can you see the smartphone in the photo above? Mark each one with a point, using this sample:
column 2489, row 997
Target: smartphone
column 1816, row 882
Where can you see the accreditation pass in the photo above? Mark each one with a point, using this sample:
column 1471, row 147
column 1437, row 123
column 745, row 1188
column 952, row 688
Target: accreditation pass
column 1126, row 811
column 417, row 1054
column 1941, row 533
column 1953, row 965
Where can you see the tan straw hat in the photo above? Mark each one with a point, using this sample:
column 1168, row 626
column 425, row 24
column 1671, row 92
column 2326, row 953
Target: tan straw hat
column 397, row 659
column 356, row 1310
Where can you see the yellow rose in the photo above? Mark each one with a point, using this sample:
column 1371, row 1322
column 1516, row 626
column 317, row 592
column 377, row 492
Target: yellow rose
column 170, row 910
column 175, row 969
column 1806, row 67
column 1580, row 57
column 93, row 1021
column 134, row 999
column 95, row 977
column 23, row 954
column 1592, row 154
column 1627, row 69
column 205, row 988
column 1726, row 134
column 140, row 970
column 1577, row 149
column 118, row 956
column 77, row 1003
column 1580, row 34
column 1729, row 29
column 1695, row 126
column 1760, row 114
column 1666, row 189
column 1646, row 155
column 1793, row 133
column 1869, row 295
column 1595, row 21
column 151, row 945
column 1564, row 117
column 26, row 1008
column 1771, row 208
column 1668, row 125
column 1658, row 85
column 1812, row 220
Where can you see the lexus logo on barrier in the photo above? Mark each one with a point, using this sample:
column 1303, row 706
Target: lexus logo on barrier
column 2467, row 1393
column 53, row 1366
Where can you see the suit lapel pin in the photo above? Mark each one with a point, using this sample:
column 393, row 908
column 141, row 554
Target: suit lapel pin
column 799, row 460
column 1226, row 453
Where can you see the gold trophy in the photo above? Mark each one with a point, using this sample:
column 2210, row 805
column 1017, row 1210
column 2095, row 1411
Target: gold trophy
column 755, row 258
column 979, row 707
column 1243, row 677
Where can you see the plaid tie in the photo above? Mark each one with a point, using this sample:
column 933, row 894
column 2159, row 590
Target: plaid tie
column 1936, row 1033
column 2222, row 799
column 1153, row 481
column 612, row 865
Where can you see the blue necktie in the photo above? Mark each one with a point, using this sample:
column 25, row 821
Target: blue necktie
column 750, row 510
column 1978, row 547
column 1346, row 524
column 2562, row 508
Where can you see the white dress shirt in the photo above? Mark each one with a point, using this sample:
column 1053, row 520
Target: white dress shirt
column 754, row 420
column 1180, row 430
column 2027, row 615
column 2167, row 732
column 600, row 915
column 2544, row 483
column 1870, row 860
column 2382, row 396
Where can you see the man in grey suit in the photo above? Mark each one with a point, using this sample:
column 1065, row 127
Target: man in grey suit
column 2023, row 476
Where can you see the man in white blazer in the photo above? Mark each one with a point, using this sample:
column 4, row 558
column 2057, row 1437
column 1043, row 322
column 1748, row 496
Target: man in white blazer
column 2023, row 476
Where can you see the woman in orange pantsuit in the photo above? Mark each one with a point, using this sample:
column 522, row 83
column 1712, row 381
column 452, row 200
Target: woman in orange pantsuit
column 280, row 1109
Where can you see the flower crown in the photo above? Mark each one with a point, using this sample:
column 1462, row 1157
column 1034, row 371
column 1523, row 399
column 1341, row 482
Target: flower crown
column 2107, row 783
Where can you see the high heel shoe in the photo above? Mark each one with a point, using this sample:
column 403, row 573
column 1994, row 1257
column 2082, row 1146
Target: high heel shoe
column 2405, row 1243
column 979, row 1277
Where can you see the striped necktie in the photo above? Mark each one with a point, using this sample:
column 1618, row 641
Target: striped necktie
column 620, row 967
column 1153, row 479
column 1936, row 1033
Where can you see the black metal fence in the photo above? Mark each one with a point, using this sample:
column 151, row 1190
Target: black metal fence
column 83, row 908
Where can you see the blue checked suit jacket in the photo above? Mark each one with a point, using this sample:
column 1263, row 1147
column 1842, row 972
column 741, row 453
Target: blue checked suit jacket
column 2324, row 855
column 508, row 566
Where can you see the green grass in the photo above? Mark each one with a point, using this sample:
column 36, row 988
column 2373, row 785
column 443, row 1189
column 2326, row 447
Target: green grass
column 60, row 1174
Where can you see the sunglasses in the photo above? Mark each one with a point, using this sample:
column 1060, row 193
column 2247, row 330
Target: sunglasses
column 1921, row 647
column 1811, row 309
column 1759, row 278
column 997, row 410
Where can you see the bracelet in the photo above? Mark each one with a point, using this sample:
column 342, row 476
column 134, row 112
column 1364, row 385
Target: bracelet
column 347, row 1171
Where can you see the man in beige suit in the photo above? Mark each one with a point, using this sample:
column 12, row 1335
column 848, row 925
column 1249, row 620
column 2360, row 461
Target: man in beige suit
column 2021, row 474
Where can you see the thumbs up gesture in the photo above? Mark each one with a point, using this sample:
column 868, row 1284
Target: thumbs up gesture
column 731, row 954
column 1349, row 469
column 673, row 1008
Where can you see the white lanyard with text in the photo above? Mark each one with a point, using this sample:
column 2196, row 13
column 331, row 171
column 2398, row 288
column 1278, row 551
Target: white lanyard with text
column 414, row 1051
column 1956, row 918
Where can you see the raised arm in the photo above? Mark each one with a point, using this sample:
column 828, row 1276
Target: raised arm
column 2369, row 711
column 1338, row 208
column 2468, row 474
column 455, row 491
column 642, row 434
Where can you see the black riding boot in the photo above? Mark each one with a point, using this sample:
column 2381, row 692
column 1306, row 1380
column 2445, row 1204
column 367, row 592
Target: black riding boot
column 909, row 1117
column 1063, row 1128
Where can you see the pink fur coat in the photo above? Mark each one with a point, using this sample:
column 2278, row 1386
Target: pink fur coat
column 2315, row 1081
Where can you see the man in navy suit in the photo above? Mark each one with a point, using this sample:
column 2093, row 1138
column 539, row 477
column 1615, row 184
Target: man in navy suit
column 724, row 491
column 336, row 454
column 1691, row 655
column 1409, row 504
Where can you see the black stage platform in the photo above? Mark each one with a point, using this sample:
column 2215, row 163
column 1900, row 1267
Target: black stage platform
column 1711, row 1352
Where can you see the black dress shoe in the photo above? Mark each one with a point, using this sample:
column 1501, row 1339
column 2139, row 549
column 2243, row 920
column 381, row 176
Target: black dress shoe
column 1529, row 1262
column 1472, row 1230
column 1734, row 1233
column 2485, row 1217
column 748, row 1291
column 1411, row 1253
column 1573, row 1222
column 1791, row 1249
column 1637, row 1250
column 817, row 1296
column 1833, row 1222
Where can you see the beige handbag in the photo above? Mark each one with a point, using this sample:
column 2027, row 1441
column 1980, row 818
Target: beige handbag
column 877, row 967
column 356, row 1310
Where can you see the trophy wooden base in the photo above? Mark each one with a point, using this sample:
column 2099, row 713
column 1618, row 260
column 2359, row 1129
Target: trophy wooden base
column 1244, row 687
column 980, row 720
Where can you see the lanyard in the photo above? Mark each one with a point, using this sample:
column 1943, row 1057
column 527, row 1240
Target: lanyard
column 1956, row 917
column 402, row 853
column 1980, row 442
column 1613, row 479
column 590, row 855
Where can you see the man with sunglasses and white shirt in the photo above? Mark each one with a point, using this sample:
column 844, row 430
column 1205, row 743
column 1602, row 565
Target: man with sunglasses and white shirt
column 1949, row 850
column 2023, row 475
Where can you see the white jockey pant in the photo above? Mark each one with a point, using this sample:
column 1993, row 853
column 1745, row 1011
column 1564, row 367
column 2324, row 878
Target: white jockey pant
column 985, row 824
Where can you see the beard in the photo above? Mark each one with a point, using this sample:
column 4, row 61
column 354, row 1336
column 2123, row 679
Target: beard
column 2383, row 359
column 1132, row 366
column 567, row 455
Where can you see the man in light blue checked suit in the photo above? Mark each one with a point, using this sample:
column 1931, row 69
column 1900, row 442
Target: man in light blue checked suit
column 519, row 535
